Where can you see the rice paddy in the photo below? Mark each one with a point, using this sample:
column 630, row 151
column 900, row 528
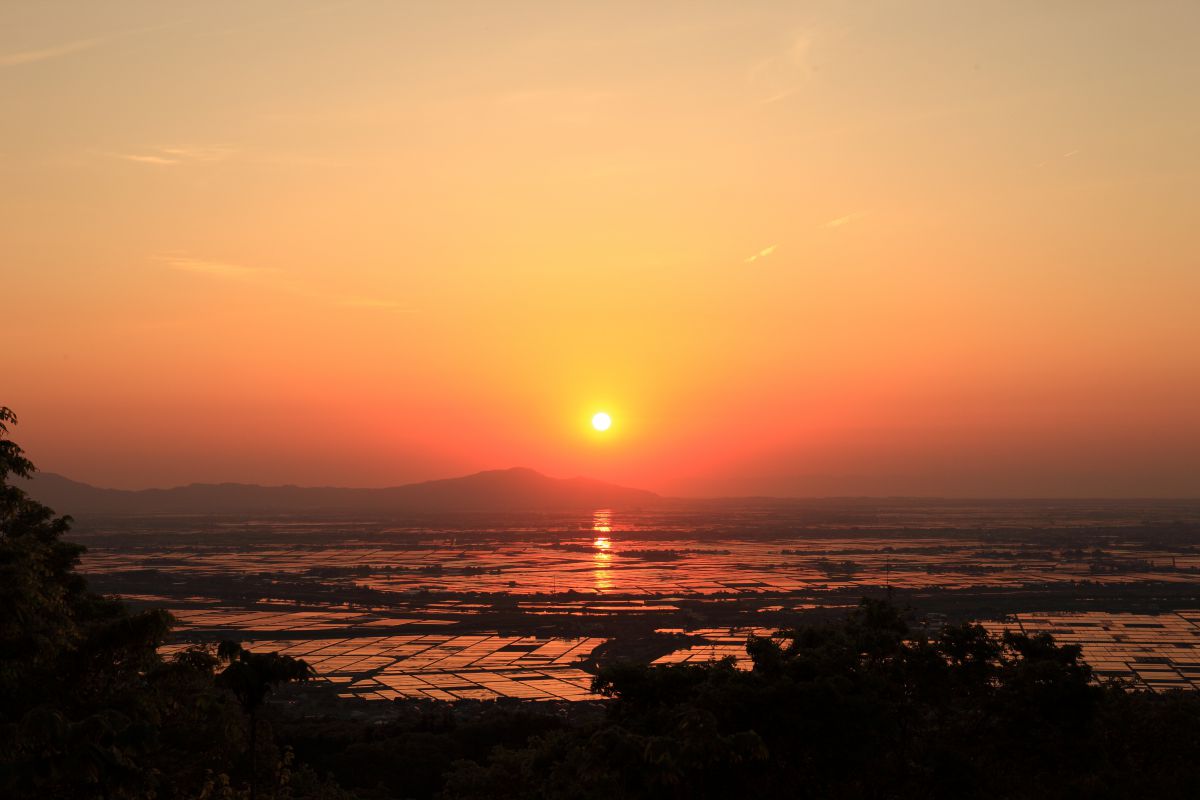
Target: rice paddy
column 479, row 608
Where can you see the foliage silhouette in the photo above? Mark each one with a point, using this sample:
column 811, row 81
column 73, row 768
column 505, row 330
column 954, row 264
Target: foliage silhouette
column 865, row 708
column 250, row 677
column 87, row 706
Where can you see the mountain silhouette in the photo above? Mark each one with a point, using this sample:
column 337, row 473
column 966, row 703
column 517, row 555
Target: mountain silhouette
column 516, row 489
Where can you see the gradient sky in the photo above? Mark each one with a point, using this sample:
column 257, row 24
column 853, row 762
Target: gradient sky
column 793, row 248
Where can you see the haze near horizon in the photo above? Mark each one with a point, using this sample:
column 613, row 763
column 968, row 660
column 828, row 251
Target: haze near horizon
column 787, row 249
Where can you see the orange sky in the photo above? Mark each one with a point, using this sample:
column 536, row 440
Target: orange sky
column 792, row 248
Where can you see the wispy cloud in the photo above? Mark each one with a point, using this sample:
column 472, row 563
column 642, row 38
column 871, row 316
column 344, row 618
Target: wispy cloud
column 775, row 98
column 1068, row 154
column 220, row 269
column 276, row 280
column 54, row 51
column 840, row 221
column 780, row 74
column 766, row 251
column 169, row 156
column 67, row 48
column 199, row 153
column 144, row 159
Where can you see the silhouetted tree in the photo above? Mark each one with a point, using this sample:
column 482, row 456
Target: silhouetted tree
column 87, row 706
column 251, row 677
column 71, row 662
column 863, row 708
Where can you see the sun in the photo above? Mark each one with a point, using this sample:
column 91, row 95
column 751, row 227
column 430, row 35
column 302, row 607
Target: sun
column 601, row 421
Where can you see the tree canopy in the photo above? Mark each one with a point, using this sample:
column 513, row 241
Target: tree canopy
column 864, row 708
column 87, row 706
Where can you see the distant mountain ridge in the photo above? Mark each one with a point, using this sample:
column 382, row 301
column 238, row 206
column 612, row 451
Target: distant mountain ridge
column 516, row 489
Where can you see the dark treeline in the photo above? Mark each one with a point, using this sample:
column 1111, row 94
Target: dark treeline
column 865, row 708
column 862, row 708
column 88, row 709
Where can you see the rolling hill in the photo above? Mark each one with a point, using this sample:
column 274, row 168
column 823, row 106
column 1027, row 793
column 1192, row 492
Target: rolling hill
column 516, row 489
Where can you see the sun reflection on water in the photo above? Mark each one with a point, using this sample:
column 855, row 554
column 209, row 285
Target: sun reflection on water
column 602, row 527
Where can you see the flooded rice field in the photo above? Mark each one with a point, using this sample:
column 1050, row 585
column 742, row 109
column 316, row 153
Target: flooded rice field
column 1151, row 651
column 443, row 667
column 1155, row 651
column 475, row 607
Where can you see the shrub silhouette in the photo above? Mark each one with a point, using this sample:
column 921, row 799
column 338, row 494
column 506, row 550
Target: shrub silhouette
column 251, row 677
column 863, row 708
column 87, row 706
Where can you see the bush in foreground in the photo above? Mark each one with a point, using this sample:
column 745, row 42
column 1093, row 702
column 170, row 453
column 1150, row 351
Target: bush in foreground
column 87, row 706
column 864, row 708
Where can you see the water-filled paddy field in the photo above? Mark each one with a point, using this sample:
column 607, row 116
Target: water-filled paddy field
column 526, row 606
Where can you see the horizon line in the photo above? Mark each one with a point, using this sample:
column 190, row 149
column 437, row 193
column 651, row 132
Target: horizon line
column 658, row 496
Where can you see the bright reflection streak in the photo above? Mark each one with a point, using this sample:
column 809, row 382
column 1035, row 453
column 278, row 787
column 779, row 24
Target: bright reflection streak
column 602, row 526
column 603, row 581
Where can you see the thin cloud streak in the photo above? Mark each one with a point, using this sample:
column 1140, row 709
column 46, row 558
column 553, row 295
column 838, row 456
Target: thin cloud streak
column 275, row 279
column 203, row 153
column 67, row 48
column 219, row 269
column 778, row 75
column 775, row 98
column 140, row 159
column 766, row 251
column 47, row 53
column 170, row 156
column 840, row 221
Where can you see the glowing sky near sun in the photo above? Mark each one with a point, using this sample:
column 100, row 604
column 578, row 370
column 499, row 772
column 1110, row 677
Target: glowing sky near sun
column 791, row 248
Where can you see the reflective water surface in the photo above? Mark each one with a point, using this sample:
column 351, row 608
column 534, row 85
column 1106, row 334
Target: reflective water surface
column 475, row 606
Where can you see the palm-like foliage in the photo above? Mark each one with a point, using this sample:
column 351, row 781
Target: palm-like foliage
column 251, row 677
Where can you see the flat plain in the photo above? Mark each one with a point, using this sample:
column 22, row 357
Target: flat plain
column 480, row 606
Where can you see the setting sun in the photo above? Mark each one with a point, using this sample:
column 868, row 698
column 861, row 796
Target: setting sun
column 319, row 316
